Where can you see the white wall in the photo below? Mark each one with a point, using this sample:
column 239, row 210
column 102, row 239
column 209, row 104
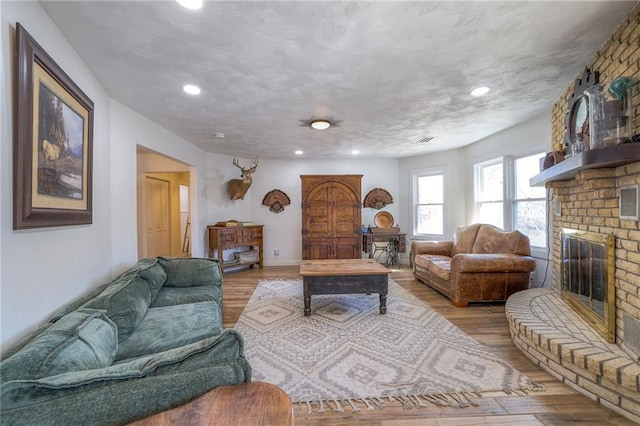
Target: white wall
column 282, row 230
column 130, row 129
column 43, row 269
column 455, row 192
column 526, row 138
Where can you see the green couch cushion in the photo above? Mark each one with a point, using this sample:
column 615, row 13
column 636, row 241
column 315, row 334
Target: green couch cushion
column 171, row 327
column 190, row 272
column 78, row 302
column 124, row 392
column 24, row 341
column 126, row 301
column 168, row 296
column 85, row 339
column 151, row 271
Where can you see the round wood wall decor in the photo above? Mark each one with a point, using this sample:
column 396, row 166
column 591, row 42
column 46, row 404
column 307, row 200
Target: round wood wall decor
column 377, row 198
column 276, row 200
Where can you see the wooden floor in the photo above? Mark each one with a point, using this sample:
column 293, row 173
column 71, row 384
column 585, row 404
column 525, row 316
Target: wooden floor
column 557, row 405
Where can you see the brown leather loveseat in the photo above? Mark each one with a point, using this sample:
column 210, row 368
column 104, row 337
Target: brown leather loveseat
column 482, row 263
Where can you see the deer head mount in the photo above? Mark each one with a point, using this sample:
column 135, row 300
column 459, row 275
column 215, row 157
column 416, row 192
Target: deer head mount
column 238, row 187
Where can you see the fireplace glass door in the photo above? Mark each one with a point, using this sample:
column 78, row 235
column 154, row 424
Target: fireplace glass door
column 587, row 277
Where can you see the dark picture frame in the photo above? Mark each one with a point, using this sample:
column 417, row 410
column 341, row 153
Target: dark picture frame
column 53, row 142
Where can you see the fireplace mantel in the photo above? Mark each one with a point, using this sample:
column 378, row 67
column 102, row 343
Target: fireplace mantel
column 613, row 156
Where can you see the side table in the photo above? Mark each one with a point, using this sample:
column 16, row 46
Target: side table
column 253, row 403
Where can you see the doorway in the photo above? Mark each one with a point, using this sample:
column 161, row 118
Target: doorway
column 164, row 206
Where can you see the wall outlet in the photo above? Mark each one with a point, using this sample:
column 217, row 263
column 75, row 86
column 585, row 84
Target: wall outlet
column 276, row 252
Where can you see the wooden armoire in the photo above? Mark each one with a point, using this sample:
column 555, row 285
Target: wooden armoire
column 331, row 217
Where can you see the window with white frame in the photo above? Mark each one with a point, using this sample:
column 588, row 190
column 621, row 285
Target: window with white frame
column 490, row 193
column 504, row 198
column 529, row 213
column 428, row 203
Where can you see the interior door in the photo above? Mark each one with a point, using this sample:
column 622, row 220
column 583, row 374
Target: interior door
column 157, row 217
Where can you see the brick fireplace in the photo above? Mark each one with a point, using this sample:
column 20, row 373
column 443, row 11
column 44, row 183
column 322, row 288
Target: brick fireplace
column 543, row 325
column 590, row 203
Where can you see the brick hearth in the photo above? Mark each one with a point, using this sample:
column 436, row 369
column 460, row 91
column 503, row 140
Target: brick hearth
column 562, row 343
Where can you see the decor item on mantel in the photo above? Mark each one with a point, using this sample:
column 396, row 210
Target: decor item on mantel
column 377, row 198
column 276, row 200
column 551, row 159
column 611, row 112
column 576, row 137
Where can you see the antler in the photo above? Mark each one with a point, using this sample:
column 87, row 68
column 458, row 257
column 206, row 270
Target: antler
column 255, row 164
column 250, row 170
column 235, row 163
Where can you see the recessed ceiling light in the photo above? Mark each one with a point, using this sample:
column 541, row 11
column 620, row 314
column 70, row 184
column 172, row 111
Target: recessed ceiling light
column 298, row 152
column 191, row 89
column 320, row 124
column 480, row 91
column 355, row 152
column 190, row 4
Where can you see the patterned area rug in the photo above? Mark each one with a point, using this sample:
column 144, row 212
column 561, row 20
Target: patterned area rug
column 347, row 355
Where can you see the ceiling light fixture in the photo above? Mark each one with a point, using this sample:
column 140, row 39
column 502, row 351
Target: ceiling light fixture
column 298, row 152
column 480, row 91
column 191, row 89
column 190, row 4
column 355, row 152
column 320, row 124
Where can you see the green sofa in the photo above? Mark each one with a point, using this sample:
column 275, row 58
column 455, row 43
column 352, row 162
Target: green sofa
column 145, row 342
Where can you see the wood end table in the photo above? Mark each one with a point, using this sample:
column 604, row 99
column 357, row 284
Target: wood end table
column 251, row 403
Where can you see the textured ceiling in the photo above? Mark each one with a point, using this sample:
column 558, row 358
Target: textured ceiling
column 392, row 72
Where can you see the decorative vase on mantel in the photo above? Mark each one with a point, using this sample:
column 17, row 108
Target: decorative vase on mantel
column 610, row 112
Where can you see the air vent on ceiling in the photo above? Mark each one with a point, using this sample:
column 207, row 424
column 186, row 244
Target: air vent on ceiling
column 426, row 139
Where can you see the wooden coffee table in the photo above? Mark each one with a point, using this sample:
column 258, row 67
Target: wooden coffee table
column 344, row 276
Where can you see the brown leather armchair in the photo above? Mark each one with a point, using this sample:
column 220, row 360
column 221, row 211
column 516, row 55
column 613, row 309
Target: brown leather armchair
column 481, row 264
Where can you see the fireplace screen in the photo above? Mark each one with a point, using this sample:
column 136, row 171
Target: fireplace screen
column 588, row 277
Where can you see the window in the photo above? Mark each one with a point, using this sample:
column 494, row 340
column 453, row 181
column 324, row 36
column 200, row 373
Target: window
column 504, row 198
column 429, row 203
column 529, row 202
column 490, row 193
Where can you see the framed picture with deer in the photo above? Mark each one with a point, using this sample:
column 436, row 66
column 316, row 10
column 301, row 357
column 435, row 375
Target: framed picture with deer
column 53, row 141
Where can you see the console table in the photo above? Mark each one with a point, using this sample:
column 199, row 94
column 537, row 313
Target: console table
column 227, row 237
column 386, row 237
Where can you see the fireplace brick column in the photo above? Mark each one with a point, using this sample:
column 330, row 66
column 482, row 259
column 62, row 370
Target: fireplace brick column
column 590, row 201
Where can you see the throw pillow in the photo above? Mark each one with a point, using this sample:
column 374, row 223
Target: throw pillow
column 82, row 340
column 126, row 301
column 190, row 272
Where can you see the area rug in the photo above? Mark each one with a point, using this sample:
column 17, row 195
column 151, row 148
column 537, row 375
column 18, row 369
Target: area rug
column 348, row 355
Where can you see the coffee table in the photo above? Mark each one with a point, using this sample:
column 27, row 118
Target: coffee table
column 344, row 276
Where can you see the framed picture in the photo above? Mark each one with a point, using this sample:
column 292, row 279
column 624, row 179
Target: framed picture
column 53, row 141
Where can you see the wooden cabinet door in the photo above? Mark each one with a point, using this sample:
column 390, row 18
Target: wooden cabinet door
column 331, row 217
